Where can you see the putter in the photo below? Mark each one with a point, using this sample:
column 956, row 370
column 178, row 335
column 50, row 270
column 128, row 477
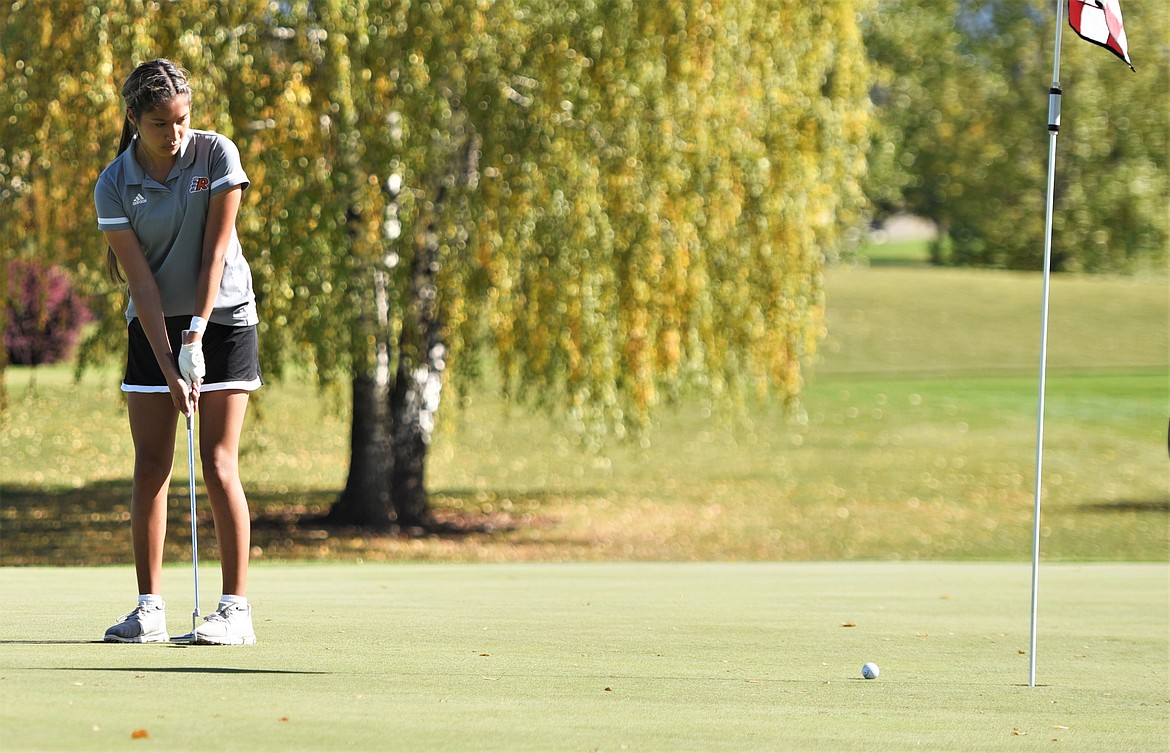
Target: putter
column 194, row 524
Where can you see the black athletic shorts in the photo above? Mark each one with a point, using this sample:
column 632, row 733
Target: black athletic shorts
column 231, row 354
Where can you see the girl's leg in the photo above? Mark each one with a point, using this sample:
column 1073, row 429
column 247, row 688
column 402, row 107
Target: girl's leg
column 152, row 426
column 221, row 420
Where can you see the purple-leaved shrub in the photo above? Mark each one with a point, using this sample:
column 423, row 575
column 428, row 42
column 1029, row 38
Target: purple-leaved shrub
column 45, row 314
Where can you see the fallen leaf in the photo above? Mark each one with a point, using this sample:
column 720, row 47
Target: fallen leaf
column 1021, row 651
column 1019, row 732
column 139, row 734
column 283, row 719
column 1060, row 726
column 609, row 690
column 485, row 654
column 848, row 624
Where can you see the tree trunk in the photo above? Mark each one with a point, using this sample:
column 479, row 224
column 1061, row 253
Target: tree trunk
column 418, row 387
column 393, row 424
column 422, row 355
column 412, row 404
column 366, row 499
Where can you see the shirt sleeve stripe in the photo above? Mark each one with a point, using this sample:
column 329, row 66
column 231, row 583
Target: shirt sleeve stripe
column 103, row 221
column 235, row 178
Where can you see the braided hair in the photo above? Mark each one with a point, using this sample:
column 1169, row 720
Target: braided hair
column 150, row 86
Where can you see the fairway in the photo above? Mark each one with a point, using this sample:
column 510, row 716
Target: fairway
column 917, row 443
column 601, row 657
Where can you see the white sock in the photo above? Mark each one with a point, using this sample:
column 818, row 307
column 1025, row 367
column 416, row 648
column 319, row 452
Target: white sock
column 233, row 599
column 152, row 600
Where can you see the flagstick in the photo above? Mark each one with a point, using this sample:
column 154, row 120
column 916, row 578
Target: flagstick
column 1053, row 130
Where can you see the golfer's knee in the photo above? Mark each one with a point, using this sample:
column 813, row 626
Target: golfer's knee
column 221, row 470
column 152, row 469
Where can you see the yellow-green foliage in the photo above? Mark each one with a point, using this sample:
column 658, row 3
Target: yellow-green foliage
column 630, row 198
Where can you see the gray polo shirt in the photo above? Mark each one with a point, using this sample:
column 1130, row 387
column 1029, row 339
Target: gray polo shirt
column 169, row 221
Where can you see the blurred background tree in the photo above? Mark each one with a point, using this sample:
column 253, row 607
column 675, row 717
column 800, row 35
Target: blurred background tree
column 961, row 134
column 609, row 203
column 613, row 202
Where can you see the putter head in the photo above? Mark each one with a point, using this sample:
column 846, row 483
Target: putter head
column 189, row 638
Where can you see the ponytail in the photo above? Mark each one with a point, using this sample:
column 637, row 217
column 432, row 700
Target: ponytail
column 113, row 270
column 149, row 86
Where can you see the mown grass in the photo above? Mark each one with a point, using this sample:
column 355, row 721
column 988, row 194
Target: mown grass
column 601, row 657
column 917, row 442
column 900, row 252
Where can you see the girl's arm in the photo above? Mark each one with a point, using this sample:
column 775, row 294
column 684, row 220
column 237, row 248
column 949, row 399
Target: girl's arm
column 217, row 234
column 148, row 304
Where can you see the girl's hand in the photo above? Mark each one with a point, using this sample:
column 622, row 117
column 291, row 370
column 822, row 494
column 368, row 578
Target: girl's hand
column 185, row 396
column 191, row 364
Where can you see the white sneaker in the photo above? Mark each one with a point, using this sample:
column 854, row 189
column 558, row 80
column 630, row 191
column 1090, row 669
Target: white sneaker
column 146, row 624
column 229, row 625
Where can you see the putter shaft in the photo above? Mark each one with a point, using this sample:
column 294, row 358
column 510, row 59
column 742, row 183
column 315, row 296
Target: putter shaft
column 194, row 522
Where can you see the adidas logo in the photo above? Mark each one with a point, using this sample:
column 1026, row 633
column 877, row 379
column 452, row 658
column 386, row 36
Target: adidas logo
column 139, row 199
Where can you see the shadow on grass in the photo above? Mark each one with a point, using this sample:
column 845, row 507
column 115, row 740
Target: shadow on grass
column 90, row 525
column 457, row 514
column 50, row 643
column 190, row 670
column 888, row 262
column 54, row 526
column 1127, row 505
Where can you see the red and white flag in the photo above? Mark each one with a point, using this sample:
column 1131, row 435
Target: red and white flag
column 1099, row 21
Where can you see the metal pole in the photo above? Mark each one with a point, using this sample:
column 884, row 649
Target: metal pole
column 1053, row 129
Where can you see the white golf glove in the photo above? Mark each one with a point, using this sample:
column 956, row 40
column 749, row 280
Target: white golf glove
column 191, row 364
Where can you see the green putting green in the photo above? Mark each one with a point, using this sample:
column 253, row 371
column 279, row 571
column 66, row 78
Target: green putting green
column 605, row 657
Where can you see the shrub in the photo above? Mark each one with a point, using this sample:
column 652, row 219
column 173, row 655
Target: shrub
column 44, row 314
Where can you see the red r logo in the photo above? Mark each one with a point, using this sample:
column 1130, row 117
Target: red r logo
column 199, row 184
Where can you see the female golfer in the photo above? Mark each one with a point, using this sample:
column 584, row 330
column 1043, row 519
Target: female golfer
column 167, row 205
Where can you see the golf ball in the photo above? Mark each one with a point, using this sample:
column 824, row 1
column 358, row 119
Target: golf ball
column 870, row 671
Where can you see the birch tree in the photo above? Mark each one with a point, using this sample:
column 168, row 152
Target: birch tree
column 615, row 203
